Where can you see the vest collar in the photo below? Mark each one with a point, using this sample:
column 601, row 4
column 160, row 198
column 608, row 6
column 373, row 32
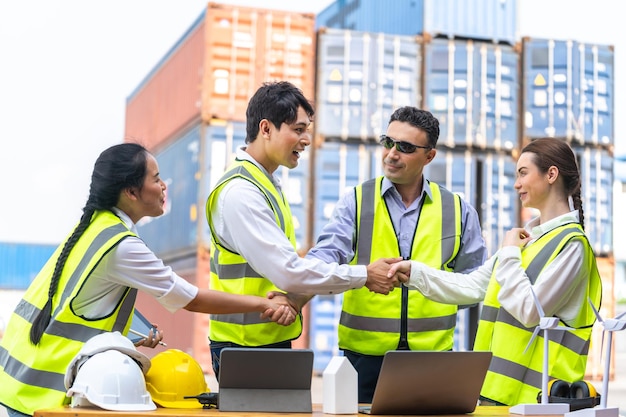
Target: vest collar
column 126, row 219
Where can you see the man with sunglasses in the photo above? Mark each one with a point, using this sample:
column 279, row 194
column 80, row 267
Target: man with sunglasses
column 399, row 214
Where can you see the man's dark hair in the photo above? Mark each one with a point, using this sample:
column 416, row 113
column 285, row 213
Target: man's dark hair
column 277, row 102
column 422, row 119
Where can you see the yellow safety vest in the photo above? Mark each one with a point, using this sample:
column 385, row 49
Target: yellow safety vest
column 371, row 323
column 515, row 376
column 231, row 273
column 32, row 377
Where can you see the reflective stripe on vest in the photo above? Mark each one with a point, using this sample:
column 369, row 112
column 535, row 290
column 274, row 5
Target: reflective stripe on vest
column 515, row 376
column 26, row 387
column 371, row 323
column 231, row 273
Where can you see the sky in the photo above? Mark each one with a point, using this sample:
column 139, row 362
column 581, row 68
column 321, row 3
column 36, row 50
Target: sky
column 67, row 67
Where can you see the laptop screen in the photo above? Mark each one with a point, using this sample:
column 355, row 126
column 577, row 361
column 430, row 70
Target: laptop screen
column 429, row 382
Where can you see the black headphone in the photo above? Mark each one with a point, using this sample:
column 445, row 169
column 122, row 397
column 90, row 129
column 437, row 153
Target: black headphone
column 579, row 394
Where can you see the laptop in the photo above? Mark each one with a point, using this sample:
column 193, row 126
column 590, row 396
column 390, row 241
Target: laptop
column 265, row 380
column 429, row 382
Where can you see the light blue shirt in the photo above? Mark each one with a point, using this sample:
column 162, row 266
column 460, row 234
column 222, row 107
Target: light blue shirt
column 338, row 237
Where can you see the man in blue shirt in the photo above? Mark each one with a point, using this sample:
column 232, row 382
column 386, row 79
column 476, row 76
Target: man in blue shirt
column 399, row 214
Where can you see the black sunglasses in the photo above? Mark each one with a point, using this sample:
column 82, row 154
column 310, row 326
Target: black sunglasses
column 401, row 146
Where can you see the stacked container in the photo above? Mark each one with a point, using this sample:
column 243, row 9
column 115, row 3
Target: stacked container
column 190, row 112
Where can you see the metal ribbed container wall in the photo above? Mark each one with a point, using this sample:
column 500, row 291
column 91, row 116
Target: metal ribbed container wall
column 361, row 78
column 247, row 46
column 216, row 67
column 323, row 324
column 568, row 91
column 494, row 20
column 190, row 166
column 596, row 168
column 485, row 180
column 338, row 168
column 21, row 262
column 472, row 88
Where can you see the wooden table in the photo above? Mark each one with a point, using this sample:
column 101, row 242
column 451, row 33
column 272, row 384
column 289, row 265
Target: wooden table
column 481, row 411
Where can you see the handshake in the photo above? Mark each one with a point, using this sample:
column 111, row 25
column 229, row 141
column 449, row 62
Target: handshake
column 387, row 273
column 383, row 276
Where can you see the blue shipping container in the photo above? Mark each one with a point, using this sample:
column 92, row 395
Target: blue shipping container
column 472, row 88
column 485, row 180
column 568, row 91
column 361, row 79
column 493, row 20
column 21, row 262
column 338, row 168
column 596, row 168
column 191, row 165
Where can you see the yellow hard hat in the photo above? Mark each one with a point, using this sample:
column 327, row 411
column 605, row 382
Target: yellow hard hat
column 173, row 376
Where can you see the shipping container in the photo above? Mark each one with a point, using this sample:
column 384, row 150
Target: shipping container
column 492, row 20
column 21, row 262
column 190, row 166
column 568, row 91
column 361, row 79
column 247, row 46
column 217, row 65
column 472, row 88
column 338, row 168
column 486, row 181
column 323, row 324
column 596, row 169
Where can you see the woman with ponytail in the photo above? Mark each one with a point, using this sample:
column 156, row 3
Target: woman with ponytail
column 90, row 283
column 550, row 257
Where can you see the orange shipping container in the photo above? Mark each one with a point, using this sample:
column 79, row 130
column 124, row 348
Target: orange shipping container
column 217, row 66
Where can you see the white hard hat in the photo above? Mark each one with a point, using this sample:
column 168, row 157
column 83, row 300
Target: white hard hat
column 113, row 381
column 100, row 343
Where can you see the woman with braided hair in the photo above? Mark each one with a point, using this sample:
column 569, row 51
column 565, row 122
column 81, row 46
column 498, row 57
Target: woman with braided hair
column 550, row 257
column 90, row 283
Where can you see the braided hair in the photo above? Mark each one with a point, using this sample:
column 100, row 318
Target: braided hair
column 118, row 168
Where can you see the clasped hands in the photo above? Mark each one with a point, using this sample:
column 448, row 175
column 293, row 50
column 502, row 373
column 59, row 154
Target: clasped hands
column 380, row 279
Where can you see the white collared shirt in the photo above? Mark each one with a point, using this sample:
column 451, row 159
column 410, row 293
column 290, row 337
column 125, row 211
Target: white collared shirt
column 131, row 264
